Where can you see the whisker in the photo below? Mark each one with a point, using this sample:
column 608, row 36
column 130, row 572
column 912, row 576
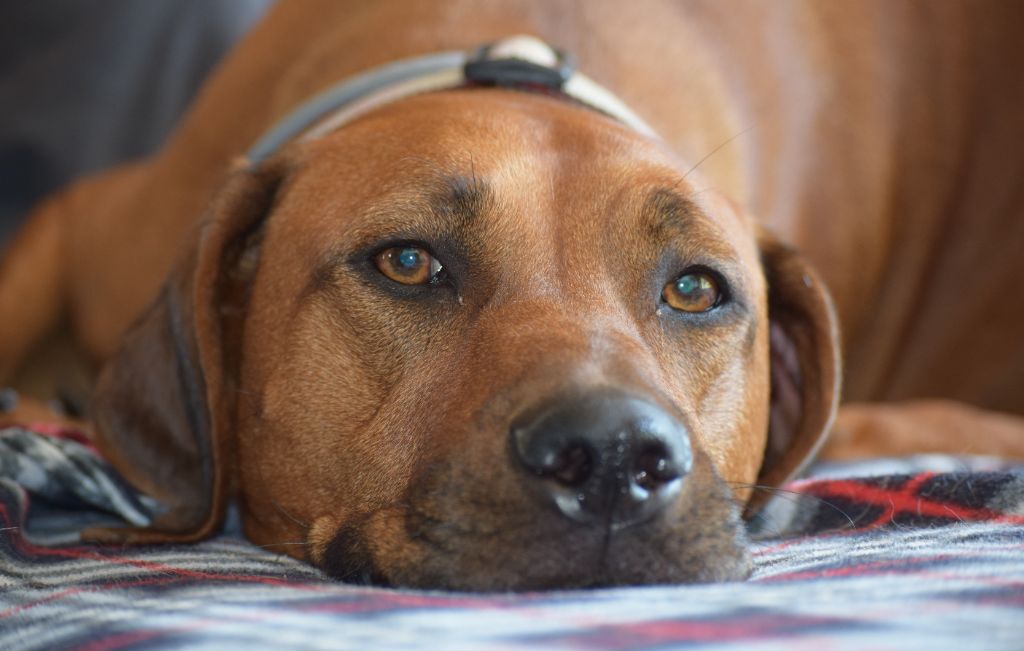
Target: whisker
column 285, row 513
column 794, row 496
column 716, row 150
column 303, row 543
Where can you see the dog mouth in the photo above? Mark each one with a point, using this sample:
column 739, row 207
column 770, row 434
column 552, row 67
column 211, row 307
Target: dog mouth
column 588, row 488
column 447, row 535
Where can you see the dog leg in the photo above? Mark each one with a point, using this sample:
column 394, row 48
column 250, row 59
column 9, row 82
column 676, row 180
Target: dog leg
column 927, row 426
column 48, row 277
column 32, row 283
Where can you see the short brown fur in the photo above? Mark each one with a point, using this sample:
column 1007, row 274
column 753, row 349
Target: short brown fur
column 365, row 430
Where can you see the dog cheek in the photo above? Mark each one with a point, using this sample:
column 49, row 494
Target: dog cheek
column 733, row 421
column 304, row 444
column 719, row 378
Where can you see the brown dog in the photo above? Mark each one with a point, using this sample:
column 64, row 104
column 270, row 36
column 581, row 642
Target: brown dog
column 486, row 338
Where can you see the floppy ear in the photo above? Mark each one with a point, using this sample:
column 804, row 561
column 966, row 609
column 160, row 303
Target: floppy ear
column 164, row 404
column 805, row 367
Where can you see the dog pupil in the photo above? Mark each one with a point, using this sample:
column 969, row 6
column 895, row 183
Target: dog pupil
column 409, row 258
column 688, row 284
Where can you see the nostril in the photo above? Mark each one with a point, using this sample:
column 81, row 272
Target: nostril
column 573, row 466
column 653, row 468
column 603, row 456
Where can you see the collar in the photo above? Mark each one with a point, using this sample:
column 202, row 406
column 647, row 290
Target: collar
column 520, row 62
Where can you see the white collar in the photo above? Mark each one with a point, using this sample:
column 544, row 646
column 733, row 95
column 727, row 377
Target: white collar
column 520, row 62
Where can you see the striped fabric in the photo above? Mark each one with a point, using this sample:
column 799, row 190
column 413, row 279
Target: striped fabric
column 880, row 556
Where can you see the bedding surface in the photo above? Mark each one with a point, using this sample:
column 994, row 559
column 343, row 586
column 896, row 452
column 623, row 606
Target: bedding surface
column 922, row 553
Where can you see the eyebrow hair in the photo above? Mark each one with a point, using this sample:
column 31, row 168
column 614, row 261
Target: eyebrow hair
column 673, row 217
column 460, row 200
column 454, row 202
column 670, row 210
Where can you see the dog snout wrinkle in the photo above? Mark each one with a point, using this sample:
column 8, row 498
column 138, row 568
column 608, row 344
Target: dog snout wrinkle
column 604, row 456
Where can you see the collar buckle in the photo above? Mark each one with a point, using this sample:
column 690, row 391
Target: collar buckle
column 521, row 61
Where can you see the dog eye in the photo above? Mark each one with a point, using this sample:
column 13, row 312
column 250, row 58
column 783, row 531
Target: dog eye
column 694, row 291
column 409, row 265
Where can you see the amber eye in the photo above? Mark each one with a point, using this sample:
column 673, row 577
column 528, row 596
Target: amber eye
column 409, row 265
column 692, row 292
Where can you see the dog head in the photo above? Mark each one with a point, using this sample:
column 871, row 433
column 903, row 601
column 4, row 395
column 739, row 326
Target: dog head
column 475, row 340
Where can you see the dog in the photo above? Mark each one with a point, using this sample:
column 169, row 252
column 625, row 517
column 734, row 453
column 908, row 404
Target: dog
column 491, row 338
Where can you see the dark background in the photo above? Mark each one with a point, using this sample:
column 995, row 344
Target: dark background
column 86, row 84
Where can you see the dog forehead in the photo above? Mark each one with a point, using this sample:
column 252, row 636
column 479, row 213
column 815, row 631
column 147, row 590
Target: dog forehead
column 558, row 181
column 524, row 148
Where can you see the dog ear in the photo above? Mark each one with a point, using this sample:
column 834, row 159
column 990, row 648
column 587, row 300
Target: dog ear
column 805, row 366
column 164, row 404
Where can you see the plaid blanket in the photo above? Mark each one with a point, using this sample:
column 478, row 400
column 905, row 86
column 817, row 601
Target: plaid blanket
column 907, row 554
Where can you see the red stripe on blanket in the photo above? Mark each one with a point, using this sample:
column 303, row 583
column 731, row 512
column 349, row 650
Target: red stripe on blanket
column 71, row 592
column 659, row 632
column 905, row 500
column 906, row 565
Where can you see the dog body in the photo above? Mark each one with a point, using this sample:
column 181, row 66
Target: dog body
column 366, row 426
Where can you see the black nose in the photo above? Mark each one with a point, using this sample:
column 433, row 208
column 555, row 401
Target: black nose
column 604, row 456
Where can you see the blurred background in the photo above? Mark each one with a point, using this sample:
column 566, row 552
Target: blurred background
column 85, row 85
